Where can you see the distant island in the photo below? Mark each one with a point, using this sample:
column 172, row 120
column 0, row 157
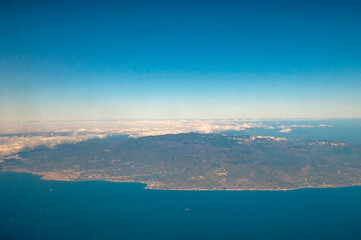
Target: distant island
column 193, row 161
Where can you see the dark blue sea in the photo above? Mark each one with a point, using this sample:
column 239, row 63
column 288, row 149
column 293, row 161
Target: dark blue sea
column 31, row 208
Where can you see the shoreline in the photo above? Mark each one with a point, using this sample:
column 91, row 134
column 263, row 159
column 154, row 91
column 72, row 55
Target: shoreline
column 46, row 177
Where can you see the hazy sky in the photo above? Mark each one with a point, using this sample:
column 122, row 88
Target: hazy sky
column 69, row 60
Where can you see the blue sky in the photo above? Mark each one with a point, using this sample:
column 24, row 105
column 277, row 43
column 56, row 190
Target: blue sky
column 69, row 60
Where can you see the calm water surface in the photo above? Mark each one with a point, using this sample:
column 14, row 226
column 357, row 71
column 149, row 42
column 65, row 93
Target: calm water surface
column 31, row 208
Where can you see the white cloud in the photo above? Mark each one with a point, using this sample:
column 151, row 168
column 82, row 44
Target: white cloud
column 18, row 136
column 288, row 128
column 285, row 130
column 29, row 135
column 302, row 126
column 324, row 125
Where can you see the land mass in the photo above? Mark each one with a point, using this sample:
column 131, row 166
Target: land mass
column 194, row 161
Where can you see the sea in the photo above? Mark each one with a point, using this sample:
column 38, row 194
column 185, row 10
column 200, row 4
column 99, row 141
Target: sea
column 31, row 208
column 347, row 130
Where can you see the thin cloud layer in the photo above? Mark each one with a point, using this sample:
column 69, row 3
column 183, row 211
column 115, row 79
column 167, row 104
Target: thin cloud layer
column 285, row 130
column 19, row 136
column 289, row 128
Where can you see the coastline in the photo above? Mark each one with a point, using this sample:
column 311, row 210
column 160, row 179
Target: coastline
column 149, row 185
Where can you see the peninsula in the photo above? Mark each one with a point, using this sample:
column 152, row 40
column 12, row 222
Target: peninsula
column 193, row 161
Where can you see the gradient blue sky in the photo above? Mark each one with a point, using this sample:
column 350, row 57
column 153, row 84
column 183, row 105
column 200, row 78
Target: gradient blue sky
column 89, row 60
